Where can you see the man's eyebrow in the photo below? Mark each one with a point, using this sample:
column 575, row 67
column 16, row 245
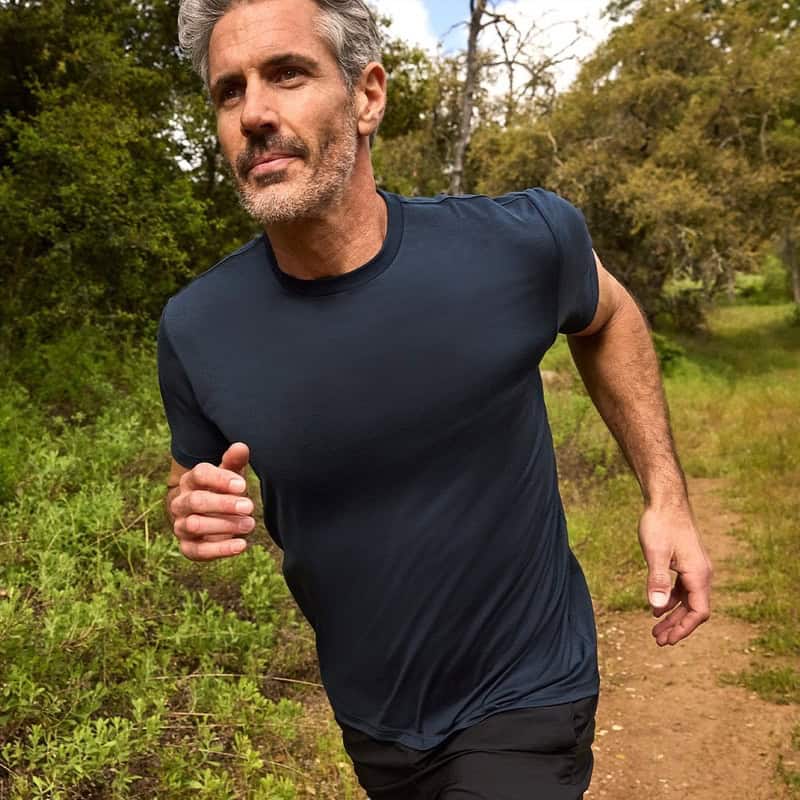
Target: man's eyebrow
column 273, row 62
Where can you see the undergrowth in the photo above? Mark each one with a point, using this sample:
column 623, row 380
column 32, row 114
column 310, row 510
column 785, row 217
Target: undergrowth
column 127, row 671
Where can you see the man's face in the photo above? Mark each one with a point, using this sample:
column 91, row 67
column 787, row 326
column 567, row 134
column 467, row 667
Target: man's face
column 285, row 118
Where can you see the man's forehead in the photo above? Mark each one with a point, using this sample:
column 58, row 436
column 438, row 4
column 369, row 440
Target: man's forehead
column 262, row 28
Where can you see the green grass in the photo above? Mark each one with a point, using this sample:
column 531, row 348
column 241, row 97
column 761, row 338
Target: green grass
column 788, row 772
column 736, row 407
column 127, row 671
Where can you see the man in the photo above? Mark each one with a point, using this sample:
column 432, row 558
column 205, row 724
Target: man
column 374, row 358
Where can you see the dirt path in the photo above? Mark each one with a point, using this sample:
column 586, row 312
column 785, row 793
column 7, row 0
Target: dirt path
column 665, row 727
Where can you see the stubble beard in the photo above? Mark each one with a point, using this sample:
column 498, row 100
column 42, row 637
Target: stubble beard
column 274, row 198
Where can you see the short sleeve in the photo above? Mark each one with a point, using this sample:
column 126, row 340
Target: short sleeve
column 577, row 270
column 195, row 438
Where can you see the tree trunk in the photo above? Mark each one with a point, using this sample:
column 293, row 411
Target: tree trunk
column 476, row 8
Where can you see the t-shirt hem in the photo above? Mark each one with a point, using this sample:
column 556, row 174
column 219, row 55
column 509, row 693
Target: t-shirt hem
column 591, row 309
column 418, row 742
column 185, row 460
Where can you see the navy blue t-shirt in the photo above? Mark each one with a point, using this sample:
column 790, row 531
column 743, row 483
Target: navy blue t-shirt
column 396, row 422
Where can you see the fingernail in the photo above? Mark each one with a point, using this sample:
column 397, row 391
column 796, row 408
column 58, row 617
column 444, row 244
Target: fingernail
column 243, row 506
column 237, row 485
column 238, row 546
column 247, row 524
column 658, row 599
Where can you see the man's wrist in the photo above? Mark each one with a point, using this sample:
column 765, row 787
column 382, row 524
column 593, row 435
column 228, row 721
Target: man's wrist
column 671, row 496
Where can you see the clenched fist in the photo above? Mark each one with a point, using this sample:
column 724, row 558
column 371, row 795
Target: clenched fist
column 210, row 509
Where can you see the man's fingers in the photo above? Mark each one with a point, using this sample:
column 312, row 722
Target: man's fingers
column 693, row 612
column 678, row 625
column 659, row 581
column 674, row 600
column 216, row 525
column 662, row 629
column 215, row 479
column 211, row 550
column 236, row 457
column 204, row 502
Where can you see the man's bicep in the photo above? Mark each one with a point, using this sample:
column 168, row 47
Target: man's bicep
column 611, row 296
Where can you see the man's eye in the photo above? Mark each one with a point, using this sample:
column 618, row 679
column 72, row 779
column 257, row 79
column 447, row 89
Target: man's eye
column 289, row 74
column 229, row 93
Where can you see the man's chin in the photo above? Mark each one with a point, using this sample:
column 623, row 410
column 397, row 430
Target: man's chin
column 269, row 179
column 271, row 204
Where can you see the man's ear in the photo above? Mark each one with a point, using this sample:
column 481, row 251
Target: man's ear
column 371, row 98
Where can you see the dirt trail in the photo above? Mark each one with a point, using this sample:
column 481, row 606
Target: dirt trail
column 665, row 727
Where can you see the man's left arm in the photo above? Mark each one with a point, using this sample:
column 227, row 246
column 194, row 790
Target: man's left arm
column 619, row 366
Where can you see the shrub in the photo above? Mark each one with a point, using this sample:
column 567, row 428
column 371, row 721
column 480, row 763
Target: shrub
column 685, row 302
column 669, row 353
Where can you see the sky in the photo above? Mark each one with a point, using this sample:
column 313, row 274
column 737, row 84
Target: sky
column 429, row 23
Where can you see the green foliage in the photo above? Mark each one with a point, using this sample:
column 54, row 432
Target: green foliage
column 684, row 302
column 414, row 148
column 100, row 213
column 769, row 285
column 680, row 141
column 106, row 235
column 669, row 353
column 115, row 676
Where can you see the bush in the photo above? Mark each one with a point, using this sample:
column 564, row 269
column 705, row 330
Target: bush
column 78, row 373
column 669, row 353
column 685, row 303
column 768, row 286
column 125, row 671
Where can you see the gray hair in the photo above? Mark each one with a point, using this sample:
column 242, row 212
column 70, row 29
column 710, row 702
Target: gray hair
column 347, row 26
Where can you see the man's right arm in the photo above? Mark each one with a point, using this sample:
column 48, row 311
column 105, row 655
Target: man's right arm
column 209, row 507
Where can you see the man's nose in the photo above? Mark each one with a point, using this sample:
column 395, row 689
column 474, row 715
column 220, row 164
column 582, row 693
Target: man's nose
column 259, row 113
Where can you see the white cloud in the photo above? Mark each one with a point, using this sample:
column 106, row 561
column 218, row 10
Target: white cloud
column 410, row 21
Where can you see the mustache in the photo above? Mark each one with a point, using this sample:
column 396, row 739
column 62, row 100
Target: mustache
column 257, row 147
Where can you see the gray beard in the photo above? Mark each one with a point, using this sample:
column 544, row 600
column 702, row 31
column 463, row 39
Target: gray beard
column 272, row 199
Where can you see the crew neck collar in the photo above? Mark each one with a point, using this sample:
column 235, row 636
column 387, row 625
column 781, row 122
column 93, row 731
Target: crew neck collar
column 356, row 277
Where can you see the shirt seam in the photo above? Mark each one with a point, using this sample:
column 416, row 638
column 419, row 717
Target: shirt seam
column 583, row 689
column 221, row 263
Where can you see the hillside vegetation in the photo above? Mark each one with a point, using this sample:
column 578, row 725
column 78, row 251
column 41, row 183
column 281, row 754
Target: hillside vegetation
column 127, row 671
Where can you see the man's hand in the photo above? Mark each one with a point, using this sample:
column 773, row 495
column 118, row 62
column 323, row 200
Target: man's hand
column 211, row 510
column 670, row 542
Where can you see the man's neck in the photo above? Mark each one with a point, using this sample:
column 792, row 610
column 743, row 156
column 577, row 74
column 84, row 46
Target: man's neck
column 346, row 236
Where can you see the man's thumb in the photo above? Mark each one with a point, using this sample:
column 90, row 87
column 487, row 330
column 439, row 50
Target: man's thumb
column 659, row 582
column 236, row 457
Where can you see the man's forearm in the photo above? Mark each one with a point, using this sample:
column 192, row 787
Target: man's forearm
column 620, row 368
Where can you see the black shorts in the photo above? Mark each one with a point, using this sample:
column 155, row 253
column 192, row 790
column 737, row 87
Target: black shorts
column 527, row 754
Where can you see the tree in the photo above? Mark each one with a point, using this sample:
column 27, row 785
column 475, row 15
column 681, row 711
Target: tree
column 516, row 54
column 477, row 9
column 103, row 218
column 679, row 140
